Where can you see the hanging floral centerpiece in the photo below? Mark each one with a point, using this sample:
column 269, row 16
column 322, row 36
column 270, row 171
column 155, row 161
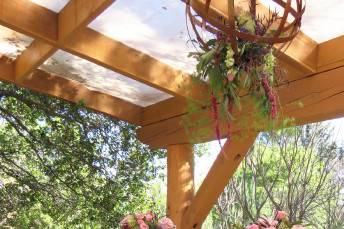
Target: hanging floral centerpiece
column 146, row 221
column 239, row 58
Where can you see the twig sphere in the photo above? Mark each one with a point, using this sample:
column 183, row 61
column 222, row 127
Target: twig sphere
column 203, row 15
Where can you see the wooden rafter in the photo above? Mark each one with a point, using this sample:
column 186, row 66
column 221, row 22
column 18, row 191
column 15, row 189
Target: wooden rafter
column 70, row 21
column 77, row 14
column 175, row 107
column 74, row 92
column 34, row 21
column 112, row 54
column 315, row 99
column 217, row 178
column 164, row 110
column 43, row 25
column 31, row 58
column 30, row 19
column 331, row 54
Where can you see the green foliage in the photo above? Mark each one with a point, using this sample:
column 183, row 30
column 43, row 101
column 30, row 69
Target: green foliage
column 64, row 165
column 296, row 170
column 245, row 21
column 204, row 60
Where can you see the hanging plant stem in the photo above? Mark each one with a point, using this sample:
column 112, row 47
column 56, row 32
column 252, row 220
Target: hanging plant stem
column 216, row 118
column 271, row 95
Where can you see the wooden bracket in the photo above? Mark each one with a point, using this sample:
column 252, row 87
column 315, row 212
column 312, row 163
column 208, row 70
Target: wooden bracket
column 226, row 163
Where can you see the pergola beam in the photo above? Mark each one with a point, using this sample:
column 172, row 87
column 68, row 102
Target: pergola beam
column 306, row 100
column 78, row 14
column 31, row 58
column 30, row 19
column 175, row 107
column 226, row 163
column 330, row 54
column 34, row 21
column 74, row 92
column 114, row 55
column 74, row 16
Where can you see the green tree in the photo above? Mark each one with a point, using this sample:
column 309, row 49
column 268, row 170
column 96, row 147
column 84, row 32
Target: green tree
column 297, row 170
column 64, row 165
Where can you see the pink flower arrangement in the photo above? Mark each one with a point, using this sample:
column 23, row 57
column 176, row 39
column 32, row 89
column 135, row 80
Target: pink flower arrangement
column 146, row 221
column 149, row 216
column 280, row 215
column 280, row 220
column 298, row 227
column 165, row 223
column 252, row 226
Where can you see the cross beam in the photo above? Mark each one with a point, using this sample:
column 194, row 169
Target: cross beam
column 31, row 58
column 74, row 16
column 315, row 98
column 72, row 91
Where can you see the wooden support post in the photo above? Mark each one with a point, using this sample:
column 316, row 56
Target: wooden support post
column 216, row 180
column 180, row 180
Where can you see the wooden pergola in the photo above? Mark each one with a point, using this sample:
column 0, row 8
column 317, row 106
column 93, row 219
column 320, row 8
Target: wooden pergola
column 315, row 78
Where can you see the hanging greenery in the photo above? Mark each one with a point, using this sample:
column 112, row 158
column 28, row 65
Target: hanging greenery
column 251, row 70
column 239, row 59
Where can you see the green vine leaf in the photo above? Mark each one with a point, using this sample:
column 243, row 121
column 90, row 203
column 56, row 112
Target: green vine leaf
column 205, row 59
column 215, row 79
column 245, row 21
